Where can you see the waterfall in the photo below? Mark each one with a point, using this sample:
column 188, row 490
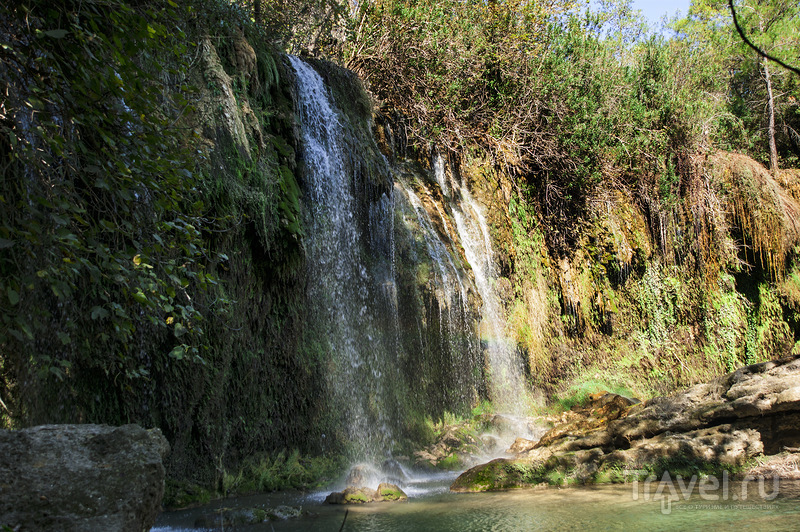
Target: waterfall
column 391, row 335
column 506, row 373
column 352, row 300
column 439, row 173
column 449, row 276
column 453, row 351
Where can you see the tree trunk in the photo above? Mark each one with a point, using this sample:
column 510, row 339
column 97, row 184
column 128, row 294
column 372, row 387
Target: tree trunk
column 257, row 10
column 773, row 150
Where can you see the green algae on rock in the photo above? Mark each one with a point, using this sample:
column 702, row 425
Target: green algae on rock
column 351, row 495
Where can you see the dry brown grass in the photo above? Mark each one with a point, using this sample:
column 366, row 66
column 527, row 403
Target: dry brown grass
column 785, row 465
column 765, row 209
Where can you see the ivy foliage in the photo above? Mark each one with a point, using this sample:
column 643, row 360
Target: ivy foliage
column 101, row 246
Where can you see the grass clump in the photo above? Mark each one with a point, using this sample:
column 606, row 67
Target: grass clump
column 282, row 471
column 579, row 393
column 686, row 467
column 182, row 494
column 451, row 463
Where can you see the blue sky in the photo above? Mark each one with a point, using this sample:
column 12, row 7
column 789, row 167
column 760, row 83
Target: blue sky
column 654, row 10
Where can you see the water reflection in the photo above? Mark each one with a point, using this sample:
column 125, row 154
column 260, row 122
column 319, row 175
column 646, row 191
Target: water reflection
column 611, row 507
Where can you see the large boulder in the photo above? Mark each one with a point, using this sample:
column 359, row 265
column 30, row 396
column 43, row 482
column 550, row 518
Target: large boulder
column 721, row 424
column 81, row 478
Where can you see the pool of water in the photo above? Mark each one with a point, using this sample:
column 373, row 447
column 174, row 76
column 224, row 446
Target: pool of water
column 657, row 505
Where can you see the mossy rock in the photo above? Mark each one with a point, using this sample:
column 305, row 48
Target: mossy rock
column 358, row 496
column 390, row 492
column 352, row 495
column 385, row 493
column 500, row 474
column 178, row 494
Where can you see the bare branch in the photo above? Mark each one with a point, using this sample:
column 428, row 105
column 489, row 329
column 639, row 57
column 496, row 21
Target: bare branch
column 758, row 50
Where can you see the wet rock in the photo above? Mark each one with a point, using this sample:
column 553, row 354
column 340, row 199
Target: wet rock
column 390, row 492
column 499, row 474
column 385, row 493
column 504, row 424
column 81, row 477
column 360, row 475
column 425, row 459
column 352, row 495
column 720, row 424
column 490, row 442
column 521, row 445
column 282, row 513
column 393, row 472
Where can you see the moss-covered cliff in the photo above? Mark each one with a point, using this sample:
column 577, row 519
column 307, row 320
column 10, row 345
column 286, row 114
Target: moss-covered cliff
column 652, row 296
column 155, row 245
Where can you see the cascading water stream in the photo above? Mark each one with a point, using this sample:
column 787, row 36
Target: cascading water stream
column 450, row 276
column 506, row 374
column 355, row 325
column 456, row 329
column 353, row 305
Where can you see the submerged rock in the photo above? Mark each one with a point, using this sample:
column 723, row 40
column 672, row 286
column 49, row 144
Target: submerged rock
column 282, row 513
column 385, row 493
column 81, row 477
column 232, row 517
column 716, row 425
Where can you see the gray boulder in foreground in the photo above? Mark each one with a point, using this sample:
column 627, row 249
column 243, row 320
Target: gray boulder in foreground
column 81, row 478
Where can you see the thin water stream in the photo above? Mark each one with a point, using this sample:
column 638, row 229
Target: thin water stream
column 506, row 377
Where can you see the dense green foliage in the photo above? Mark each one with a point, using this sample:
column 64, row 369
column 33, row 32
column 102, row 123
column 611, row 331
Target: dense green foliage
column 101, row 219
column 150, row 258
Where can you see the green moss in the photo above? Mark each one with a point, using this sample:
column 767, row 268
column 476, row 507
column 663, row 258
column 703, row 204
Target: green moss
column 356, row 498
column 502, row 474
column 686, row 467
column 451, row 463
column 389, row 494
column 283, row 471
column 615, row 472
column 555, row 478
column 182, row 494
column 260, row 515
column 578, row 393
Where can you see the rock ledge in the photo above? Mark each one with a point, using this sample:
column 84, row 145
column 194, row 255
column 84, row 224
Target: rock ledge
column 717, row 425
